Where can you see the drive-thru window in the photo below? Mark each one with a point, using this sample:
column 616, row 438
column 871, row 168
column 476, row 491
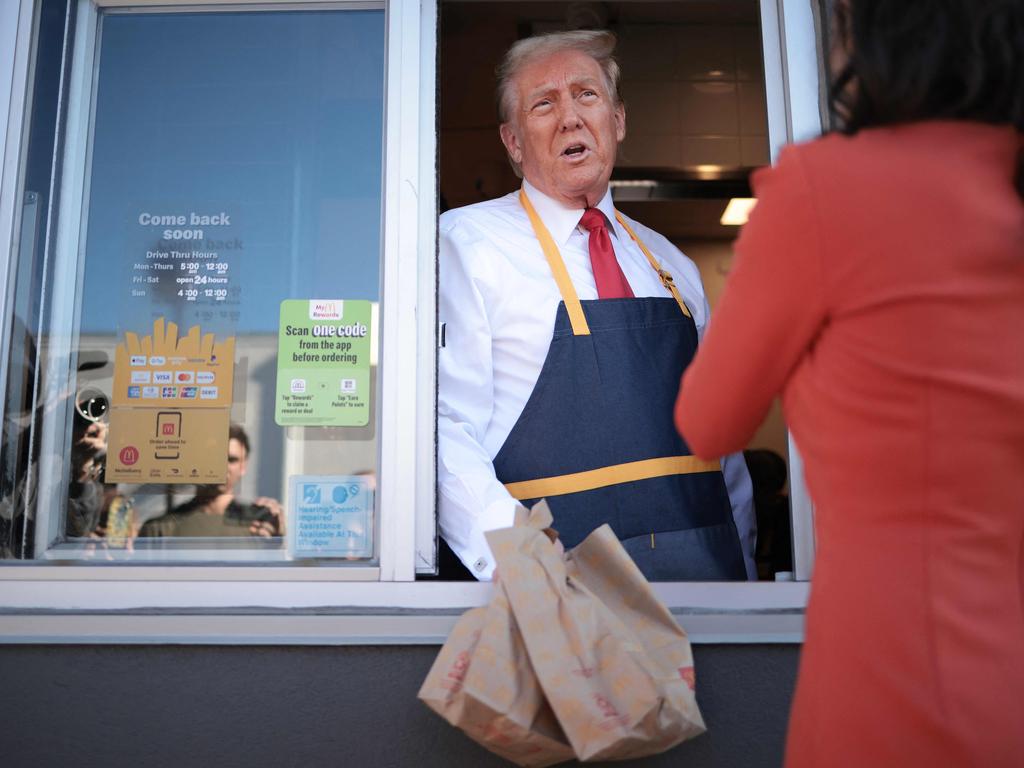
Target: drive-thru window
column 218, row 236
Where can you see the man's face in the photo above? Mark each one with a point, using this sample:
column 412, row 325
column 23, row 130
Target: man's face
column 565, row 128
column 236, row 465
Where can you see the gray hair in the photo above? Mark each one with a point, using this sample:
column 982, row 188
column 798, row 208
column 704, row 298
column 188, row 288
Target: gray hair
column 596, row 44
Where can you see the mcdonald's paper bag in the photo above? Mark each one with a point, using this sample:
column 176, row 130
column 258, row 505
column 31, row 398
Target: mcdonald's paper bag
column 615, row 667
column 483, row 683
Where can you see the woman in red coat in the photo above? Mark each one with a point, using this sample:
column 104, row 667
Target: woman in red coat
column 879, row 288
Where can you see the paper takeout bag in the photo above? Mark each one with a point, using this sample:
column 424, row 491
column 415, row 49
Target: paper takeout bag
column 573, row 656
column 614, row 665
column 482, row 682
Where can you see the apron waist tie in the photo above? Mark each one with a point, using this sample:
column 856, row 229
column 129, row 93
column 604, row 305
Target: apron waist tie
column 615, row 474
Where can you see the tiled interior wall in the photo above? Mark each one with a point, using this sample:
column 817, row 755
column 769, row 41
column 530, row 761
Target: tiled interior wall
column 714, row 260
column 694, row 96
column 694, row 93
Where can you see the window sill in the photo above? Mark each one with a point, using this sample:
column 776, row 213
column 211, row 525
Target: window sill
column 339, row 613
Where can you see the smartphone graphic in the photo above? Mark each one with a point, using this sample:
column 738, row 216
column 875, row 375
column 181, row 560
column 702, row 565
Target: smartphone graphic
column 168, row 425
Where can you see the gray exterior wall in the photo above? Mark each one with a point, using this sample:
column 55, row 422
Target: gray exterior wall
column 183, row 706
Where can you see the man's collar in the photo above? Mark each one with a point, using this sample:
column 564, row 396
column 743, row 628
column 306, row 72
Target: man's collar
column 562, row 221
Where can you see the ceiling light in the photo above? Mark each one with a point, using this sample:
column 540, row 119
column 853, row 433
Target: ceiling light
column 708, row 172
column 737, row 211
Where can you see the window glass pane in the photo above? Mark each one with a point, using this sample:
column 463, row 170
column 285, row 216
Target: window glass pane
column 231, row 211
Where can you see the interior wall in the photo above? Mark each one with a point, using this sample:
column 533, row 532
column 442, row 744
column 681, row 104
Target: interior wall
column 714, row 259
column 692, row 82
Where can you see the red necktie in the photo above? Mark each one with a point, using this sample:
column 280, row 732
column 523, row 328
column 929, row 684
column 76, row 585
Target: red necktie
column 611, row 283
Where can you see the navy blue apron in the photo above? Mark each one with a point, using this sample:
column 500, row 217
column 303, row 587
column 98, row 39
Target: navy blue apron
column 597, row 438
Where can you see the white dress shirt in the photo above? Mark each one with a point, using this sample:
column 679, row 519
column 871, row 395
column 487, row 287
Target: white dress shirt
column 498, row 300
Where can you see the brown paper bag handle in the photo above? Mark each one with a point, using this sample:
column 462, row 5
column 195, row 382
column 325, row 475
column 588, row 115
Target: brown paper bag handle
column 538, row 517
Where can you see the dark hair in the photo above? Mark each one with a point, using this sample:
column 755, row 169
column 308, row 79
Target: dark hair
column 911, row 60
column 235, row 432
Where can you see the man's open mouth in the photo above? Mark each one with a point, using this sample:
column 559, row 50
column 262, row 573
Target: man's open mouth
column 574, row 150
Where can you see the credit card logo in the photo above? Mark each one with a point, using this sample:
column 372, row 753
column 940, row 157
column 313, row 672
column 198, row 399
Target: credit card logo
column 185, row 377
column 189, row 393
column 162, row 377
column 134, row 392
column 166, row 392
column 204, row 377
column 208, row 393
column 150, row 392
column 140, row 377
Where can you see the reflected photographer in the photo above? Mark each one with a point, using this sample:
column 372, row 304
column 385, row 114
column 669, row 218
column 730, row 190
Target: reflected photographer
column 83, row 468
column 89, row 435
column 215, row 510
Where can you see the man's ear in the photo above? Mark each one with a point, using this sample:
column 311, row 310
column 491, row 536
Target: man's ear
column 511, row 142
column 620, row 121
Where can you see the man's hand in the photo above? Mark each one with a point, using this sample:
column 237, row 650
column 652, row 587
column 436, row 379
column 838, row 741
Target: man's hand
column 272, row 524
column 87, row 450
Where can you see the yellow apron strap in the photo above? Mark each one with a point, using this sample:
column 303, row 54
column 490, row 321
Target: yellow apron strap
column 565, row 286
column 613, row 475
column 666, row 278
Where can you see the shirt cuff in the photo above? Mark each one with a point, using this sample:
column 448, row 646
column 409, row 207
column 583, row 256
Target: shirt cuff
column 476, row 554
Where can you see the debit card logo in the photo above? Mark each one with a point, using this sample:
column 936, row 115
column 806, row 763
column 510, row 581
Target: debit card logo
column 186, row 377
column 207, row 393
column 140, row 377
column 204, row 377
column 134, row 392
column 150, row 392
column 162, row 377
column 166, row 392
column 189, row 393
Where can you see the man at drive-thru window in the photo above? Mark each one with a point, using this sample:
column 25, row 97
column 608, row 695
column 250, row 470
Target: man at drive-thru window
column 567, row 327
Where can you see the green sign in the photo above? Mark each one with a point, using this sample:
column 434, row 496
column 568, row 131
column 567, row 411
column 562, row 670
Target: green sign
column 323, row 363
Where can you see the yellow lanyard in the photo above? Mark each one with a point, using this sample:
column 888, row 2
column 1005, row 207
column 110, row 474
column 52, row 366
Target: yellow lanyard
column 572, row 301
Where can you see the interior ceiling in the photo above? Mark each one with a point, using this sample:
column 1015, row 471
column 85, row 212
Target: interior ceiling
column 470, row 50
column 669, row 11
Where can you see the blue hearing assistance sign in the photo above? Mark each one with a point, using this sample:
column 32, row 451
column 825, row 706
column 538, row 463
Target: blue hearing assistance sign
column 331, row 516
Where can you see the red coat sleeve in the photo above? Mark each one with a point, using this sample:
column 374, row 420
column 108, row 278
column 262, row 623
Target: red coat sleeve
column 770, row 312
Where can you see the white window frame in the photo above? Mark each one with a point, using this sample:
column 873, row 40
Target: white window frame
column 273, row 604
